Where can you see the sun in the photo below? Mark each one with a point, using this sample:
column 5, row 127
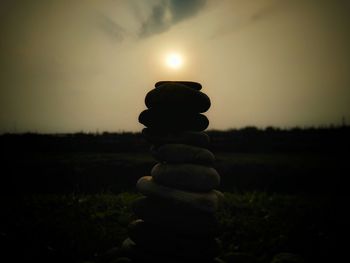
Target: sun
column 174, row 61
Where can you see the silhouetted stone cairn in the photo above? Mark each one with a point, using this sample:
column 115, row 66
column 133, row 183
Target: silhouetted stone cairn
column 177, row 221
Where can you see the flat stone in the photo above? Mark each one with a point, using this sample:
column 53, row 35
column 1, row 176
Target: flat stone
column 149, row 237
column 175, row 96
column 149, row 254
column 182, row 153
column 139, row 229
column 110, row 254
column 218, row 260
column 128, row 246
column 122, row 260
column 189, row 177
column 221, row 197
column 173, row 120
column 159, row 207
column 156, row 137
column 191, row 84
column 176, row 219
column 143, row 255
column 207, row 201
column 288, row 258
column 239, row 257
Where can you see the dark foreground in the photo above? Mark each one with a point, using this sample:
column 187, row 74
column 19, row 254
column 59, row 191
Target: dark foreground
column 67, row 199
column 255, row 226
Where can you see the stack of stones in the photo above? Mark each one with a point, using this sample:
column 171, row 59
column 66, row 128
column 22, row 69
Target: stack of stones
column 177, row 220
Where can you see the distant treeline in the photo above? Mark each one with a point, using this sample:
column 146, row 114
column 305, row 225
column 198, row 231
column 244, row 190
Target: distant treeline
column 249, row 139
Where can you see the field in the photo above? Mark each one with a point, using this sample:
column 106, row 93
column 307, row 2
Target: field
column 74, row 206
column 78, row 228
column 84, row 172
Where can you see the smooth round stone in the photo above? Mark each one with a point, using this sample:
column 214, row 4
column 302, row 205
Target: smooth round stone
column 110, row 254
column 207, row 202
column 150, row 238
column 191, row 84
column 173, row 120
column 173, row 208
column 182, row 153
column 174, row 96
column 181, row 248
column 221, row 197
column 139, row 229
column 152, row 255
column 200, row 139
column 128, row 246
column 142, row 255
column 122, row 260
column 239, row 257
column 175, row 218
column 288, row 258
column 218, row 260
column 191, row 177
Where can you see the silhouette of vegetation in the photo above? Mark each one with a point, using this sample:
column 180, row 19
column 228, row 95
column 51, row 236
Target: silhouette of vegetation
column 271, row 139
column 274, row 160
column 249, row 139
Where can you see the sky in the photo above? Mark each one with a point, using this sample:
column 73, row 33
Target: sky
column 86, row 65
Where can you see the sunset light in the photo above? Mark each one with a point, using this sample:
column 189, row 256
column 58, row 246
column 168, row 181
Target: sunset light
column 174, row 61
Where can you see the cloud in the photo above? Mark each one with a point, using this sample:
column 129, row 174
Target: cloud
column 168, row 13
column 243, row 14
column 113, row 29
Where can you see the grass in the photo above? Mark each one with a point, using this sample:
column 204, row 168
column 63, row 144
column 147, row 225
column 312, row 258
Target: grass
column 263, row 225
column 78, row 228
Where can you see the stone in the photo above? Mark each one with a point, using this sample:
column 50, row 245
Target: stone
column 177, row 221
column 239, row 257
column 142, row 231
column 287, row 258
column 139, row 227
column 200, row 139
column 191, row 84
column 191, row 177
column 173, row 120
column 174, row 96
column 221, row 197
column 151, row 255
column 218, row 260
column 139, row 230
column 194, row 227
column 171, row 244
column 110, row 254
column 128, row 246
column 122, row 260
column 142, row 255
column 207, row 202
column 182, row 153
column 175, row 218
column 160, row 206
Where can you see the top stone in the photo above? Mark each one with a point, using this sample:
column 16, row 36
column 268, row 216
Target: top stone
column 191, row 84
column 177, row 96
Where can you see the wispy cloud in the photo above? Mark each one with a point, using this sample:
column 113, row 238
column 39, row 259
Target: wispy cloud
column 168, row 13
column 247, row 14
column 112, row 28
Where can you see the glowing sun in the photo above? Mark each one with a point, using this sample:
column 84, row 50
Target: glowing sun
column 174, row 60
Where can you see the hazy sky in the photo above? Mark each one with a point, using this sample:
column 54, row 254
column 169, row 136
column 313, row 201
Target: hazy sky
column 87, row 65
